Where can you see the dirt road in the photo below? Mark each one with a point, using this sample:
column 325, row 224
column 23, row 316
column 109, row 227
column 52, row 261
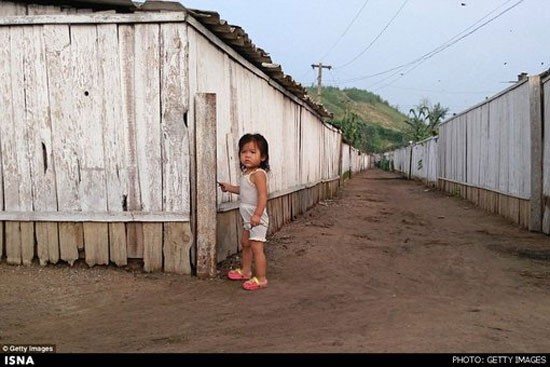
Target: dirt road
column 386, row 267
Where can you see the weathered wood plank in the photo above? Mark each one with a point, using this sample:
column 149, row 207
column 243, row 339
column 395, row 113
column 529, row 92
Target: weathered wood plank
column 177, row 240
column 127, row 44
column 152, row 247
column 114, row 133
column 6, row 116
column 88, row 91
column 134, row 240
column 535, row 215
column 148, row 134
column 27, row 242
column 47, row 242
column 524, row 213
column 174, row 102
column 13, row 243
column 96, row 243
column 191, row 67
column 147, row 124
column 71, row 238
column 66, row 134
column 37, row 113
column 205, row 132
column 546, row 158
column 18, row 192
column 117, row 244
column 15, row 154
column 111, row 115
column 226, row 235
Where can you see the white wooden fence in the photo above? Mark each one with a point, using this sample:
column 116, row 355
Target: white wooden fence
column 93, row 137
column 492, row 155
column 101, row 158
column 353, row 160
column 305, row 153
column 546, row 157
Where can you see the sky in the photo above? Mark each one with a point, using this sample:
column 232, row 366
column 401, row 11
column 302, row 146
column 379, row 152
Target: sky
column 453, row 52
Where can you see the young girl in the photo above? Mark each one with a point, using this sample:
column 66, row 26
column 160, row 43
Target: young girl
column 254, row 157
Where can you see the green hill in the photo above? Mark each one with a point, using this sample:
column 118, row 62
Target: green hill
column 379, row 125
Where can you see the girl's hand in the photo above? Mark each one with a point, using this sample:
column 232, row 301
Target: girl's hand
column 255, row 220
column 224, row 186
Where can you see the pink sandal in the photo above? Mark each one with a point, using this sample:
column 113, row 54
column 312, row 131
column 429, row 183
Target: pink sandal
column 254, row 284
column 237, row 274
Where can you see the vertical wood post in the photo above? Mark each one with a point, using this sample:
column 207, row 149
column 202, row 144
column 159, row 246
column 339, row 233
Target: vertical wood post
column 341, row 159
column 205, row 176
column 535, row 203
column 411, row 162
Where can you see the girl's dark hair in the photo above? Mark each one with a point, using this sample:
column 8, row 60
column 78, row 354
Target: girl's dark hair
column 261, row 143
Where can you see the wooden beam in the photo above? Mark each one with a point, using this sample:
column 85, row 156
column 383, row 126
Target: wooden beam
column 93, row 18
column 535, row 218
column 93, row 217
column 206, row 169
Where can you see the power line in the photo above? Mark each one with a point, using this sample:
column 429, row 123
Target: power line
column 440, row 91
column 346, row 31
column 332, row 76
column 376, row 38
column 443, row 46
column 309, row 71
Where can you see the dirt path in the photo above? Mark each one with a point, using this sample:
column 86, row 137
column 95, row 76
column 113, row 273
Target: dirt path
column 385, row 267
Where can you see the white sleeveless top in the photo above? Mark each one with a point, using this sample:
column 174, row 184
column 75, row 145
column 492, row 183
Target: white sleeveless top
column 249, row 199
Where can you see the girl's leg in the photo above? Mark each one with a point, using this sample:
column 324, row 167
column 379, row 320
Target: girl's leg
column 247, row 254
column 260, row 263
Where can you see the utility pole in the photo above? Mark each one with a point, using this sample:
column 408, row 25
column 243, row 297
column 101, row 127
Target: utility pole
column 320, row 78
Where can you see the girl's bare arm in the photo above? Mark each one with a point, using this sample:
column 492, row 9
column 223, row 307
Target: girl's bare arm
column 225, row 187
column 260, row 180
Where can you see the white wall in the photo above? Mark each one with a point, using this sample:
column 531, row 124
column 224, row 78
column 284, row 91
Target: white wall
column 303, row 151
column 546, row 158
column 489, row 145
column 89, row 124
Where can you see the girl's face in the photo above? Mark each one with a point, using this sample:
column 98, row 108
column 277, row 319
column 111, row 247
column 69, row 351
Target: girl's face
column 250, row 155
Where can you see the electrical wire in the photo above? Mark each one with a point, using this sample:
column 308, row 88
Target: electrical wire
column 346, row 31
column 443, row 46
column 440, row 91
column 375, row 39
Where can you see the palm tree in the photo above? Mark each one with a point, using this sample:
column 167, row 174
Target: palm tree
column 436, row 114
column 417, row 123
column 424, row 120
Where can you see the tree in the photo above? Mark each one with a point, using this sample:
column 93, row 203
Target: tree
column 436, row 114
column 424, row 120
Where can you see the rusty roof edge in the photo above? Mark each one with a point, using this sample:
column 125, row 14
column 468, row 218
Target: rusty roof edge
column 257, row 56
